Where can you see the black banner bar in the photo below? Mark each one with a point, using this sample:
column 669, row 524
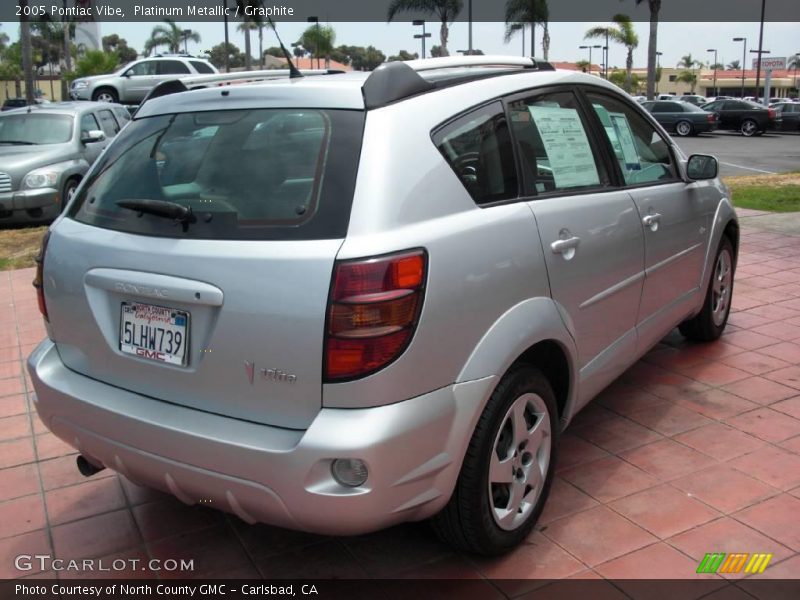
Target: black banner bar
column 710, row 11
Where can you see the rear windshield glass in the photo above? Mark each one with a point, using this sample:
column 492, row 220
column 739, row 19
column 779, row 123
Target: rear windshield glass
column 244, row 174
column 201, row 67
column 35, row 128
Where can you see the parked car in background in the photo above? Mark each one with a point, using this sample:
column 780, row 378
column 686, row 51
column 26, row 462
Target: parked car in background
column 640, row 99
column 746, row 117
column 46, row 150
column 344, row 393
column 682, row 118
column 666, row 97
column 789, row 113
column 12, row 103
column 693, row 99
column 131, row 83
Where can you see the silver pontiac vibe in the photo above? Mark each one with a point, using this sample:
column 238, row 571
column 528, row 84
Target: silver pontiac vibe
column 341, row 302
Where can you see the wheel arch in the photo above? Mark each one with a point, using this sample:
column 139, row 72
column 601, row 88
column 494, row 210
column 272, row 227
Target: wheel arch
column 105, row 86
column 532, row 332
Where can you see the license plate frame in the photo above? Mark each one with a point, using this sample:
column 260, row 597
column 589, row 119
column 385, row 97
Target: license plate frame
column 166, row 319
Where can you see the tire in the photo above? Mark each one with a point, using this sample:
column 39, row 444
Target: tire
column 710, row 322
column 69, row 189
column 477, row 519
column 106, row 94
column 748, row 128
column 683, row 128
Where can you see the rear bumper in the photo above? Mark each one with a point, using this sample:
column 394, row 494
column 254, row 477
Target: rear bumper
column 413, row 450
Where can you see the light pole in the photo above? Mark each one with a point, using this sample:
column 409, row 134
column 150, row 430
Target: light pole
column 714, row 50
column 315, row 20
column 744, row 59
column 469, row 18
column 423, row 35
column 590, row 53
column 227, row 40
column 758, row 53
column 760, row 46
column 658, row 67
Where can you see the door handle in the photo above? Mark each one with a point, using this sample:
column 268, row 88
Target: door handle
column 565, row 246
column 652, row 221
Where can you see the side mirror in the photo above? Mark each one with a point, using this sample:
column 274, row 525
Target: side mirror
column 127, row 73
column 92, row 136
column 701, row 166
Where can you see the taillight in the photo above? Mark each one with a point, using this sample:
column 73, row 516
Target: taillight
column 38, row 281
column 711, row 117
column 771, row 113
column 373, row 310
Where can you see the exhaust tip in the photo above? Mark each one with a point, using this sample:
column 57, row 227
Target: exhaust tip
column 86, row 468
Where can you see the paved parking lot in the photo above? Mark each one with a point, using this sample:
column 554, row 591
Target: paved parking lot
column 695, row 449
column 738, row 155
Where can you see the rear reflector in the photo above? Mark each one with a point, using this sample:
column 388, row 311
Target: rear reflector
column 373, row 310
column 38, row 281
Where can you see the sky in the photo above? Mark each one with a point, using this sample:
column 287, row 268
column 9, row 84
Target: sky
column 674, row 39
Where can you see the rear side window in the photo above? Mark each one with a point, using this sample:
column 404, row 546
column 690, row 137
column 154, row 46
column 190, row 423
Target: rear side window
column 172, row 67
column 553, row 144
column 245, row 174
column 478, row 148
column 643, row 155
column 201, row 67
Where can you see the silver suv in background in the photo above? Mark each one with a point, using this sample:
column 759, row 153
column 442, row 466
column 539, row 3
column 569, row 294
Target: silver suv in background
column 131, row 83
column 342, row 302
column 46, row 150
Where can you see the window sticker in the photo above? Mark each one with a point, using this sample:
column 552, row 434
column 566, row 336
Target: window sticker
column 566, row 145
column 625, row 136
column 619, row 134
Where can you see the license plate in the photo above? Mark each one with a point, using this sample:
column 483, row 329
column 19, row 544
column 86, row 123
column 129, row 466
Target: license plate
column 154, row 332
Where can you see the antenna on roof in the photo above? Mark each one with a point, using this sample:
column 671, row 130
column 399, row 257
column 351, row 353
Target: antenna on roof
column 293, row 72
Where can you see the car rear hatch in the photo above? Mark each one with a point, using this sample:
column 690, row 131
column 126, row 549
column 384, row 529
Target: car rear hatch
column 195, row 265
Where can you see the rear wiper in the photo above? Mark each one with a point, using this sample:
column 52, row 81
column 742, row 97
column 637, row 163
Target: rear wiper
column 162, row 208
column 18, row 142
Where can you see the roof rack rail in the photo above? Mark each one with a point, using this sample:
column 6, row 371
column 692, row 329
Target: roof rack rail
column 395, row 81
column 196, row 82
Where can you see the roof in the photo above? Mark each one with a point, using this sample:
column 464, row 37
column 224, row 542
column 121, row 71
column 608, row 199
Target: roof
column 71, row 107
column 354, row 90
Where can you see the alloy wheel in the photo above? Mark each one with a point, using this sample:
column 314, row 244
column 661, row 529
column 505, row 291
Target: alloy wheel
column 721, row 287
column 519, row 462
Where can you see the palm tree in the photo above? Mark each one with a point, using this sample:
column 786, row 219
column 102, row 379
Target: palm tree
column 320, row 39
column 687, row 61
column 734, row 65
column 688, row 76
column 533, row 12
column 169, row 35
column 445, row 10
column 584, row 65
column 623, row 34
column 652, row 45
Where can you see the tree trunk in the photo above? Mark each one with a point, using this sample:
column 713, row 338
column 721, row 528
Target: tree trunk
column 67, row 58
column 629, row 70
column 248, row 59
column 17, row 87
column 27, row 53
column 261, row 46
column 545, row 40
column 533, row 40
column 444, row 33
column 652, row 48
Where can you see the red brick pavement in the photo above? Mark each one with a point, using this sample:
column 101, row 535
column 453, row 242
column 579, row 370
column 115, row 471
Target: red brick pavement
column 695, row 449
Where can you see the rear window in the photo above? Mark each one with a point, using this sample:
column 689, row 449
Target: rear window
column 245, row 174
